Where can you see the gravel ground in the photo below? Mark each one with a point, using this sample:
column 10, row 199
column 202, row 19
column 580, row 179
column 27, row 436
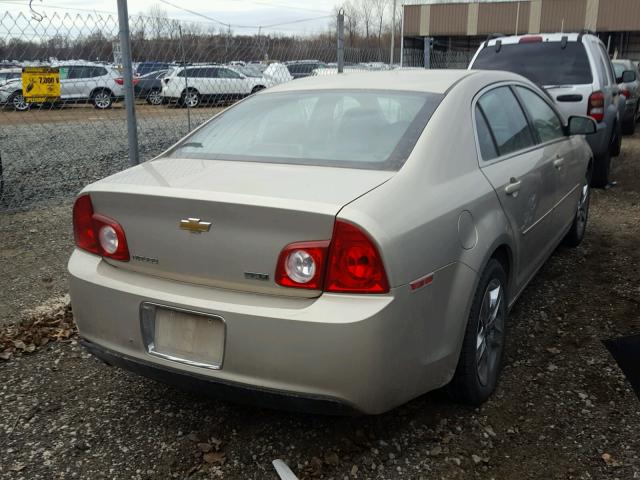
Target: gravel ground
column 50, row 155
column 563, row 409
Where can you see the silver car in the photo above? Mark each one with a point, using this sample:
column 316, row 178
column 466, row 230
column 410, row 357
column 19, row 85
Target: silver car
column 336, row 243
column 627, row 76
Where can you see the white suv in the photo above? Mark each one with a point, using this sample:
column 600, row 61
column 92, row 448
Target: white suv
column 576, row 71
column 98, row 84
column 190, row 86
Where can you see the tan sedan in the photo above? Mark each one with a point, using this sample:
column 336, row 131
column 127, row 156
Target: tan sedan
column 337, row 243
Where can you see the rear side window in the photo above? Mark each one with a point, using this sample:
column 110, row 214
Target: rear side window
column 485, row 138
column 544, row 63
column 506, row 120
column 545, row 121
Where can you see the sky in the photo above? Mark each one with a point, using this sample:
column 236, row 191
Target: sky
column 249, row 13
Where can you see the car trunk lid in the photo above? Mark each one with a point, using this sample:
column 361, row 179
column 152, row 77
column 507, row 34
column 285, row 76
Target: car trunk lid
column 254, row 210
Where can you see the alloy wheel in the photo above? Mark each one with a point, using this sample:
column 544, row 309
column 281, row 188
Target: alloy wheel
column 191, row 99
column 583, row 210
column 102, row 100
column 490, row 334
column 19, row 103
column 155, row 98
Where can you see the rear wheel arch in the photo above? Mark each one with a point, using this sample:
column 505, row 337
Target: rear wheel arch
column 97, row 90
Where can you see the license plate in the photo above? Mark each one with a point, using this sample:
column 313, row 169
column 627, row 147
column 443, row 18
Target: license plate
column 183, row 336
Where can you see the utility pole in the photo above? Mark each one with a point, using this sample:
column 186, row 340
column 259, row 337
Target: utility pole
column 129, row 96
column 393, row 32
column 341, row 41
column 402, row 36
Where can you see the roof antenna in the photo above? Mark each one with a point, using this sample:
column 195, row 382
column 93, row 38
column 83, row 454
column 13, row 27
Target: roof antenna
column 498, row 45
column 563, row 42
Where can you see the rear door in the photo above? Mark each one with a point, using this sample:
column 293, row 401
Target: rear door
column 522, row 175
column 560, row 151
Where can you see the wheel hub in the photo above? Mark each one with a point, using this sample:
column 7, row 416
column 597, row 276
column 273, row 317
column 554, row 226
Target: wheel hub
column 490, row 334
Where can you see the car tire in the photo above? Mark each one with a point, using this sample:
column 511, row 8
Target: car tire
column 576, row 233
column 102, row 99
column 480, row 361
column 190, row 99
column 257, row 88
column 616, row 141
column 629, row 128
column 17, row 101
column 601, row 168
column 154, row 97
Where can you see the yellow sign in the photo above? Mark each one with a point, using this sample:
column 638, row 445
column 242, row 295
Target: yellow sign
column 40, row 84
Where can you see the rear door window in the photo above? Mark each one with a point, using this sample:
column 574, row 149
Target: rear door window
column 544, row 63
column 545, row 121
column 485, row 138
column 507, row 120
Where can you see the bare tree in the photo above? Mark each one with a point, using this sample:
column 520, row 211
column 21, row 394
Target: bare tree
column 367, row 15
column 352, row 20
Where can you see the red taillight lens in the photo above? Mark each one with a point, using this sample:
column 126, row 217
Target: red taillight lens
column 96, row 233
column 301, row 265
column 626, row 93
column 120, row 81
column 354, row 264
column 83, row 229
column 595, row 109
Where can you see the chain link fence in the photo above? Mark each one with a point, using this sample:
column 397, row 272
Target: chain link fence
column 186, row 72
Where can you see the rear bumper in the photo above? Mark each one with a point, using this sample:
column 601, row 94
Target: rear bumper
column 364, row 353
column 221, row 389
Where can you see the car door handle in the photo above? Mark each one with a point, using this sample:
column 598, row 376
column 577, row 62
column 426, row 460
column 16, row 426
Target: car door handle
column 513, row 187
column 558, row 163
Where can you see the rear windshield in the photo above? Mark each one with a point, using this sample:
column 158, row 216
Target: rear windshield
column 545, row 63
column 355, row 129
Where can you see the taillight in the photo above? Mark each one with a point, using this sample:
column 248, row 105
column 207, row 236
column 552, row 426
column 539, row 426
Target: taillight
column 349, row 263
column 301, row 265
column 96, row 233
column 120, row 81
column 626, row 93
column 354, row 264
column 595, row 109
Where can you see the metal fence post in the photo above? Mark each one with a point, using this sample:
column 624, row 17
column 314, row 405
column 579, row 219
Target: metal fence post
column 427, row 52
column 129, row 96
column 341, row 41
column 393, row 32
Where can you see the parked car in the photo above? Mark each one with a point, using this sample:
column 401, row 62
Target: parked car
column 11, row 94
column 627, row 77
column 576, row 72
column 149, row 87
column 304, row 68
column 100, row 85
column 7, row 74
column 144, row 68
column 194, row 85
column 337, row 243
column 273, row 74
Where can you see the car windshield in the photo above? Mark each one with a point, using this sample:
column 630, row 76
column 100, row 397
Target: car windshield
column 545, row 63
column 366, row 129
column 619, row 69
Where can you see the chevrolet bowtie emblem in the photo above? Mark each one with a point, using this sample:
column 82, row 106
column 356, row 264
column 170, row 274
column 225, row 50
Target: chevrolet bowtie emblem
column 194, row 225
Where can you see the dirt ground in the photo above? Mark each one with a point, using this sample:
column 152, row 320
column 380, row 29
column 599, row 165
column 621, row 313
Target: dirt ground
column 563, row 409
column 87, row 112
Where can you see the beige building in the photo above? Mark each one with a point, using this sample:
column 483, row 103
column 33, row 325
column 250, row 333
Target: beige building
column 465, row 25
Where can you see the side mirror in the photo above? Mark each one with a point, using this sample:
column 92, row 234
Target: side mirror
column 579, row 125
column 628, row 76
